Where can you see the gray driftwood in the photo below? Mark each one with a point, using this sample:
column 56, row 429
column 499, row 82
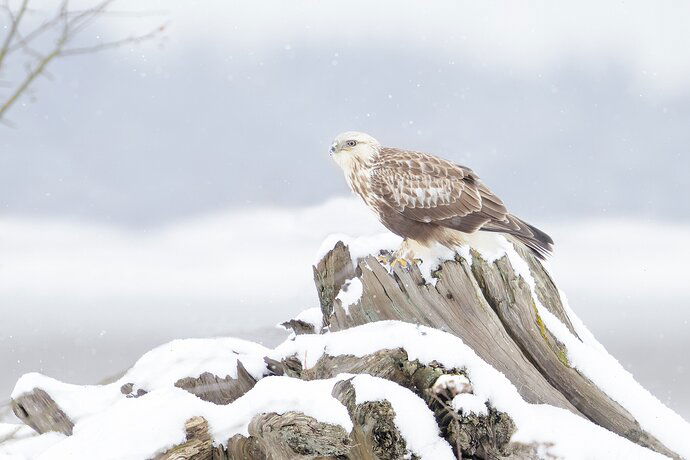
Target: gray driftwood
column 299, row 327
column 491, row 309
column 219, row 390
column 291, row 435
column 38, row 410
column 198, row 445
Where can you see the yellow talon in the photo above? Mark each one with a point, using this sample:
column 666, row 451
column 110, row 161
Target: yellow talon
column 393, row 261
column 398, row 261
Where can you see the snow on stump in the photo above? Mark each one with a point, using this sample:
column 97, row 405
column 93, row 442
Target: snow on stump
column 471, row 355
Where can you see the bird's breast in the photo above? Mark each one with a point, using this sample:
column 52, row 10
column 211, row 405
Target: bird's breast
column 356, row 175
column 359, row 183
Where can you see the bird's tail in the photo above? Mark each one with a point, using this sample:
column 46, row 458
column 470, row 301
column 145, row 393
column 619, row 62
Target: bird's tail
column 537, row 241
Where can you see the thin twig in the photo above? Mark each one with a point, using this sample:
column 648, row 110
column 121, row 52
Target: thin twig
column 14, row 26
column 37, row 32
column 27, row 81
column 113, row 44
column 66, row 24
column 128, row 14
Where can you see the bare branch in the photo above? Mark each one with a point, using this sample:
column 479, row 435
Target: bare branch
column 15, row 20
column 128, row 14
column 64, row 26
column 24, row 85
column 40, row 30
column 81, row 21
column 114, row 44
column 46, row 26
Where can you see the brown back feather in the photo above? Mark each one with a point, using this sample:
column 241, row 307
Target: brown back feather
column 429, row 189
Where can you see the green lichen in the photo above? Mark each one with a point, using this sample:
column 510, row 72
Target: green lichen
column 561, row 351
column 540, row 323
column 562, row 354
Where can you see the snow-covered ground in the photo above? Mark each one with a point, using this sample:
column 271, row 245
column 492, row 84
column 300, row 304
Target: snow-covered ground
column 150, row 424
column 87, row 300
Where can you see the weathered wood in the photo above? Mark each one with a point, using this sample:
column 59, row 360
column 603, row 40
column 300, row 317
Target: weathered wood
column 491, row 308
column 391, row 365
column 477, row 435
column 512, row 300
column 482, row 436
column 38, row 410
column 330, row 274
column 297, row 436
column 299, row 327
column 374, row 434
column 219, row 390
column 291, row 366
column 291, row 435
column 456, row 304
column 545, row 288
column 242, row 448
column 199, row 445
column 486, row 436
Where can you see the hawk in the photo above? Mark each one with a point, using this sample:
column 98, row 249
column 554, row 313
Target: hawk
column 426, row 199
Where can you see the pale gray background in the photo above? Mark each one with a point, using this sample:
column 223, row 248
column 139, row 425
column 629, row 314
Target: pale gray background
column 113, row 179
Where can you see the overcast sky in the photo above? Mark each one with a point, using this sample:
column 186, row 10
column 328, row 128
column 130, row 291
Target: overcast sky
column 563, row 109
column 142, row 189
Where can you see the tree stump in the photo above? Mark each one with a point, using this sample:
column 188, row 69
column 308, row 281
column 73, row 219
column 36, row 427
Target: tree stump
column 492, row 309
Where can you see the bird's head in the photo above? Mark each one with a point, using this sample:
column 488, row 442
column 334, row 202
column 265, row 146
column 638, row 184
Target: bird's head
column 352, row 146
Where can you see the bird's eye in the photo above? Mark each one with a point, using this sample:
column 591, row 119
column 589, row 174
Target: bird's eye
column 351, row 143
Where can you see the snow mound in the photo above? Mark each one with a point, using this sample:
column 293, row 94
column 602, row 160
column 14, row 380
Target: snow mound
column 159, row 368
column 144, row 426
column 151, row 424
column 28, row 448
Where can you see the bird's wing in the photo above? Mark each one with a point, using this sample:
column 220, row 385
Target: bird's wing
column 426, row 188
